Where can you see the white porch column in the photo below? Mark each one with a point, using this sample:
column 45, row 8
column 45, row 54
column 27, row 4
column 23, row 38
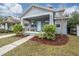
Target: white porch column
column 51, row 18
column 6, row 26
column 1, row 26
column 22, row 22
column 29, row 27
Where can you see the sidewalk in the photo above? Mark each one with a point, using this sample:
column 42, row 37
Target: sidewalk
column 5, row 36
column 13, row 45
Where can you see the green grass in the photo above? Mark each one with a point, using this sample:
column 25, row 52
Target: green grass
column 8, row 40
column 32, row 48
column 1, row 34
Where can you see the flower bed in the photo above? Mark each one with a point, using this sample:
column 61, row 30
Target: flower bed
column 59, row 40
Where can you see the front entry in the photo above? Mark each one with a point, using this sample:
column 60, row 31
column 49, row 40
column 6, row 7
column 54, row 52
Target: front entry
column 38, row 25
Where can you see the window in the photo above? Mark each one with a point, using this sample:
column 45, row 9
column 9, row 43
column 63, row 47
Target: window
column 25, row 24
column 57, row 25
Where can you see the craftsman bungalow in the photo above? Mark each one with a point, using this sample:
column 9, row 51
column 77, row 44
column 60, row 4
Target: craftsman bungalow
column 36, row 16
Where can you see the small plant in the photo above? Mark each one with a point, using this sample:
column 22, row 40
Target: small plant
column 41, row 35
column 49, row 28
column 49, row 32
column 4, row 31
column 17, row 28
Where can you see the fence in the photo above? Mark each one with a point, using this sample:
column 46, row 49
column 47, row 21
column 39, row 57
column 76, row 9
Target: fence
column 77, row 30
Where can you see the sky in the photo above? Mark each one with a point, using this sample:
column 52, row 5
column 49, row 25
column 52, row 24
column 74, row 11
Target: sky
column 16, row 9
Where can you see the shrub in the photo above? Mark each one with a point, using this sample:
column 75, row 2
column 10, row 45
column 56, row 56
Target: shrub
column 49, row 32
column 3, row 31
column 49, row 28
column 17, row 28
column 41, row 35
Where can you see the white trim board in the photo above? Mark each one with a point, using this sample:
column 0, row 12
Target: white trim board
column 37, row 15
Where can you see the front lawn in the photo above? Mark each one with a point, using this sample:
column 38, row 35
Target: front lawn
column 1, row 34
column 34, row 48
column 8, row 40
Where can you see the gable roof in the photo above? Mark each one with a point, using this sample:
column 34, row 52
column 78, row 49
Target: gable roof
column 41, row 7
column 37, row 6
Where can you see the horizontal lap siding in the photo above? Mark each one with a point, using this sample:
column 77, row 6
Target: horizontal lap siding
column 63, row 26
column 35, row 11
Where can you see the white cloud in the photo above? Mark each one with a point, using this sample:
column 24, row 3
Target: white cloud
column 17, row 8
column 2, row 7
column 4, row 11
column 10, row 9
column 71, row 10
column 9, row 5
column 16, row 18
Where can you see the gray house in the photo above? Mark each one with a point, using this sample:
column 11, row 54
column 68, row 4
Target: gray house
column 36, row 16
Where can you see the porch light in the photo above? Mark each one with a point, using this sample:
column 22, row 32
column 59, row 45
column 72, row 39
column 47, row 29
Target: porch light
column 32, row 23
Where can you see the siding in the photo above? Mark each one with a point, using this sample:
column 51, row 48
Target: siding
column 63, row 26
column 35, row 11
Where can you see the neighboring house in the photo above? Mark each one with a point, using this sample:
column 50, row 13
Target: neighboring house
column 8, row 23
column 36, row 16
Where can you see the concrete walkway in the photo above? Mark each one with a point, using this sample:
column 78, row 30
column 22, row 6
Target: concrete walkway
column 13, row 45
column 5, row 36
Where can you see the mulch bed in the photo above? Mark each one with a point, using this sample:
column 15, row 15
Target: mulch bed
column 59, row 40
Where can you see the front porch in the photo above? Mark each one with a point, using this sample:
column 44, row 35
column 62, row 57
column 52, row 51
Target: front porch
column 36, row 23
